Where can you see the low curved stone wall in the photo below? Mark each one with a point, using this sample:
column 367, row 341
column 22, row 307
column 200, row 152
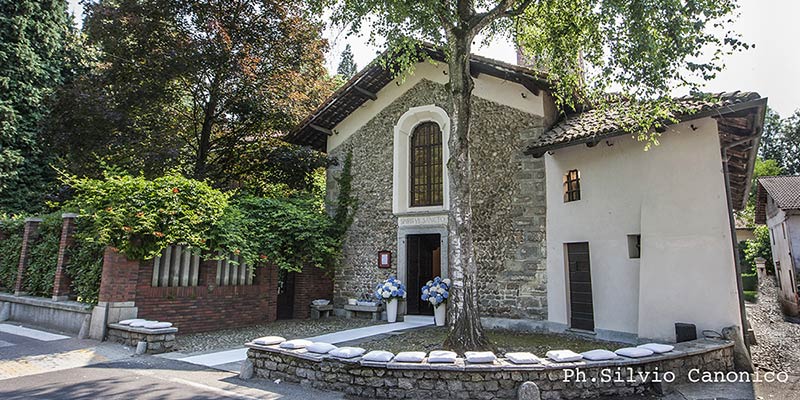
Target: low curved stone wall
column 500, row 380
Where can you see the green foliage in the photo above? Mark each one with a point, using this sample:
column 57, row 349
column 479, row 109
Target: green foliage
column 291, row 232
column 205, row 88
column 750, row 296
column 41, row 271
column 758, row 247
column 140, row 217
column 85, row 265
column 11, row 229
column 36, row 55
column 750, row 282
column 347, row 67
column 780, row 141
column 346, row 203
column 762, row 168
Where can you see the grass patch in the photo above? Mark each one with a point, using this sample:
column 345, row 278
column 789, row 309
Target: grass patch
column 427, row 339
column 750, row 296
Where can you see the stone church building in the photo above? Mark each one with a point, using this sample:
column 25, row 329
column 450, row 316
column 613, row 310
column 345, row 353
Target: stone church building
column 575, row 225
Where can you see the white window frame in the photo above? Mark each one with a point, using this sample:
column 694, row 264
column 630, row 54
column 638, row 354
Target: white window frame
column 401, row 203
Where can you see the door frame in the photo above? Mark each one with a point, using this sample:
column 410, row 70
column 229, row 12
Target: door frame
column 419, row 225
column 568, row 288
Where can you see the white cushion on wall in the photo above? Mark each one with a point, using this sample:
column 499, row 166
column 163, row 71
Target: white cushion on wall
column 347, row 352
column 522, row 358
column 296, row 344
column 599, row 355
column 269, row 340
column 140, row 323
column 129, row 321
column 480, row 357
column 378, row 356
column 442, row 356
column 657, row 347
column 321, row 348
column 410, row 356
column 564, row 355
column 157, row 325
column 634, row 352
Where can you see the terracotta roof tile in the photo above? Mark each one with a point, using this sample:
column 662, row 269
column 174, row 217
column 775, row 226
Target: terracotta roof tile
column 596, row 124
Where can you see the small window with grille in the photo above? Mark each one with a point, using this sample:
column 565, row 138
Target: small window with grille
column 572, row 186
column 426, row 166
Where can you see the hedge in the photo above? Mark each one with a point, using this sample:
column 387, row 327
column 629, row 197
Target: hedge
column 9, row 252
column 750, row 282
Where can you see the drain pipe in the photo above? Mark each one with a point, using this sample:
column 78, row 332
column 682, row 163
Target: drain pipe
column 732, row 223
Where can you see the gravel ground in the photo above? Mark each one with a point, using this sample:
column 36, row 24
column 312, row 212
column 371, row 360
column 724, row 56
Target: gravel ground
column 778, row 346
column 290, row 329
column 427, row 339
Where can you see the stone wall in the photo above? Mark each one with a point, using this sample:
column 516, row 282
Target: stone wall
column 508, row 195
column 158, row 340
column 494, row 381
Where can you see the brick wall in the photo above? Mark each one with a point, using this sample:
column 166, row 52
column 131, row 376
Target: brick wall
column 119, row 277
column 208, row 307
column 311, row 284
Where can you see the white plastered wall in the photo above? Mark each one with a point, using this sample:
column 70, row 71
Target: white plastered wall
column 674, row 196
column 785, row 250
column 487, row 87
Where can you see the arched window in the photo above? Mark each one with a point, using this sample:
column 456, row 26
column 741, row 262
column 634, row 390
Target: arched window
column 426, row 165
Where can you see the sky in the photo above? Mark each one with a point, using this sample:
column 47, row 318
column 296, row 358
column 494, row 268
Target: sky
column 771, row 68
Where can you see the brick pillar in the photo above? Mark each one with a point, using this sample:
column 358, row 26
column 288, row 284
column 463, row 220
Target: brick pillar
column 267, row 278
column 117, row 297
column 28, row 235
column 61, row 286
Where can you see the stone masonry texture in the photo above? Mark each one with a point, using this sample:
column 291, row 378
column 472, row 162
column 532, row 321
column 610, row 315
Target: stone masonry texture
column 508, row 196
column 415, row 381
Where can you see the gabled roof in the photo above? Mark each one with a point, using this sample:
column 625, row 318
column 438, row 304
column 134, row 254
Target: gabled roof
column 739, row 115
column 315, row 129
column 784, row 190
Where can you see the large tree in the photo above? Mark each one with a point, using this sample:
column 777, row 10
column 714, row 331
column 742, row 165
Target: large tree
column 36, row 56
column 347, row 66
column 781, row 141
column 203, row 86
column 645, row 48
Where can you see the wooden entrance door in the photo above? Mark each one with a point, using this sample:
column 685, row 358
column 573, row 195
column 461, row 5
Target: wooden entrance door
column 423, row 263
column 580, row 287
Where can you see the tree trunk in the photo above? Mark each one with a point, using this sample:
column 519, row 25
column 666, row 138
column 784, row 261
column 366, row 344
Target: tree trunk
column 466, row 332
column 204, row 142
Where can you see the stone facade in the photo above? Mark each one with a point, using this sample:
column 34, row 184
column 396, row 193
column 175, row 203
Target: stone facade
column 508, row 197
column 491, row 381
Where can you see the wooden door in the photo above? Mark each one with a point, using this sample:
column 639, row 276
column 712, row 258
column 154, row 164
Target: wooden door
column 422, row 264
column 580, row 287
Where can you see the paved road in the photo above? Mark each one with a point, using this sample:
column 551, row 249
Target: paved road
column 147, row 377
column 35, row 364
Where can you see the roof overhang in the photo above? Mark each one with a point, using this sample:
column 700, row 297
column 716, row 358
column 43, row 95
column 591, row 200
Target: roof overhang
column 365, row 85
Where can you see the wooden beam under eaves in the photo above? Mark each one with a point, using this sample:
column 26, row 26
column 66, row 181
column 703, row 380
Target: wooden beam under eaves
column 321, row 129
column 365, row 93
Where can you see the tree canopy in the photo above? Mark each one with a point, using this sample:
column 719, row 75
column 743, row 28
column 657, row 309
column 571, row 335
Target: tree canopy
column 347, row 66
column 780, row 141
column 205, row 88
column 37, row 54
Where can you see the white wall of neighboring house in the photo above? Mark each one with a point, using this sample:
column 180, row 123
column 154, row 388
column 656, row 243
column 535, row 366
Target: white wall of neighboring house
column 785, row 252
column 486, row 87
column 674, row 196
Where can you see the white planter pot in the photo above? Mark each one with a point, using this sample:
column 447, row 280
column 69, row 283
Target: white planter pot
column 391, row 310
column 439, row 314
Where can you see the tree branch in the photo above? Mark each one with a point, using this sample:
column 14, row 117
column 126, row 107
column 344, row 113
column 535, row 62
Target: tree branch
column 519, row 9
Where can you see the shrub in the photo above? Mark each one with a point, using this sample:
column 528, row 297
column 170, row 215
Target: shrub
column 749, row 282
column 141, row 217
column 41, row 270
column 85, row 266
column 750, row 296
column 758, row 247
column 10, row 247
column 290, row 233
